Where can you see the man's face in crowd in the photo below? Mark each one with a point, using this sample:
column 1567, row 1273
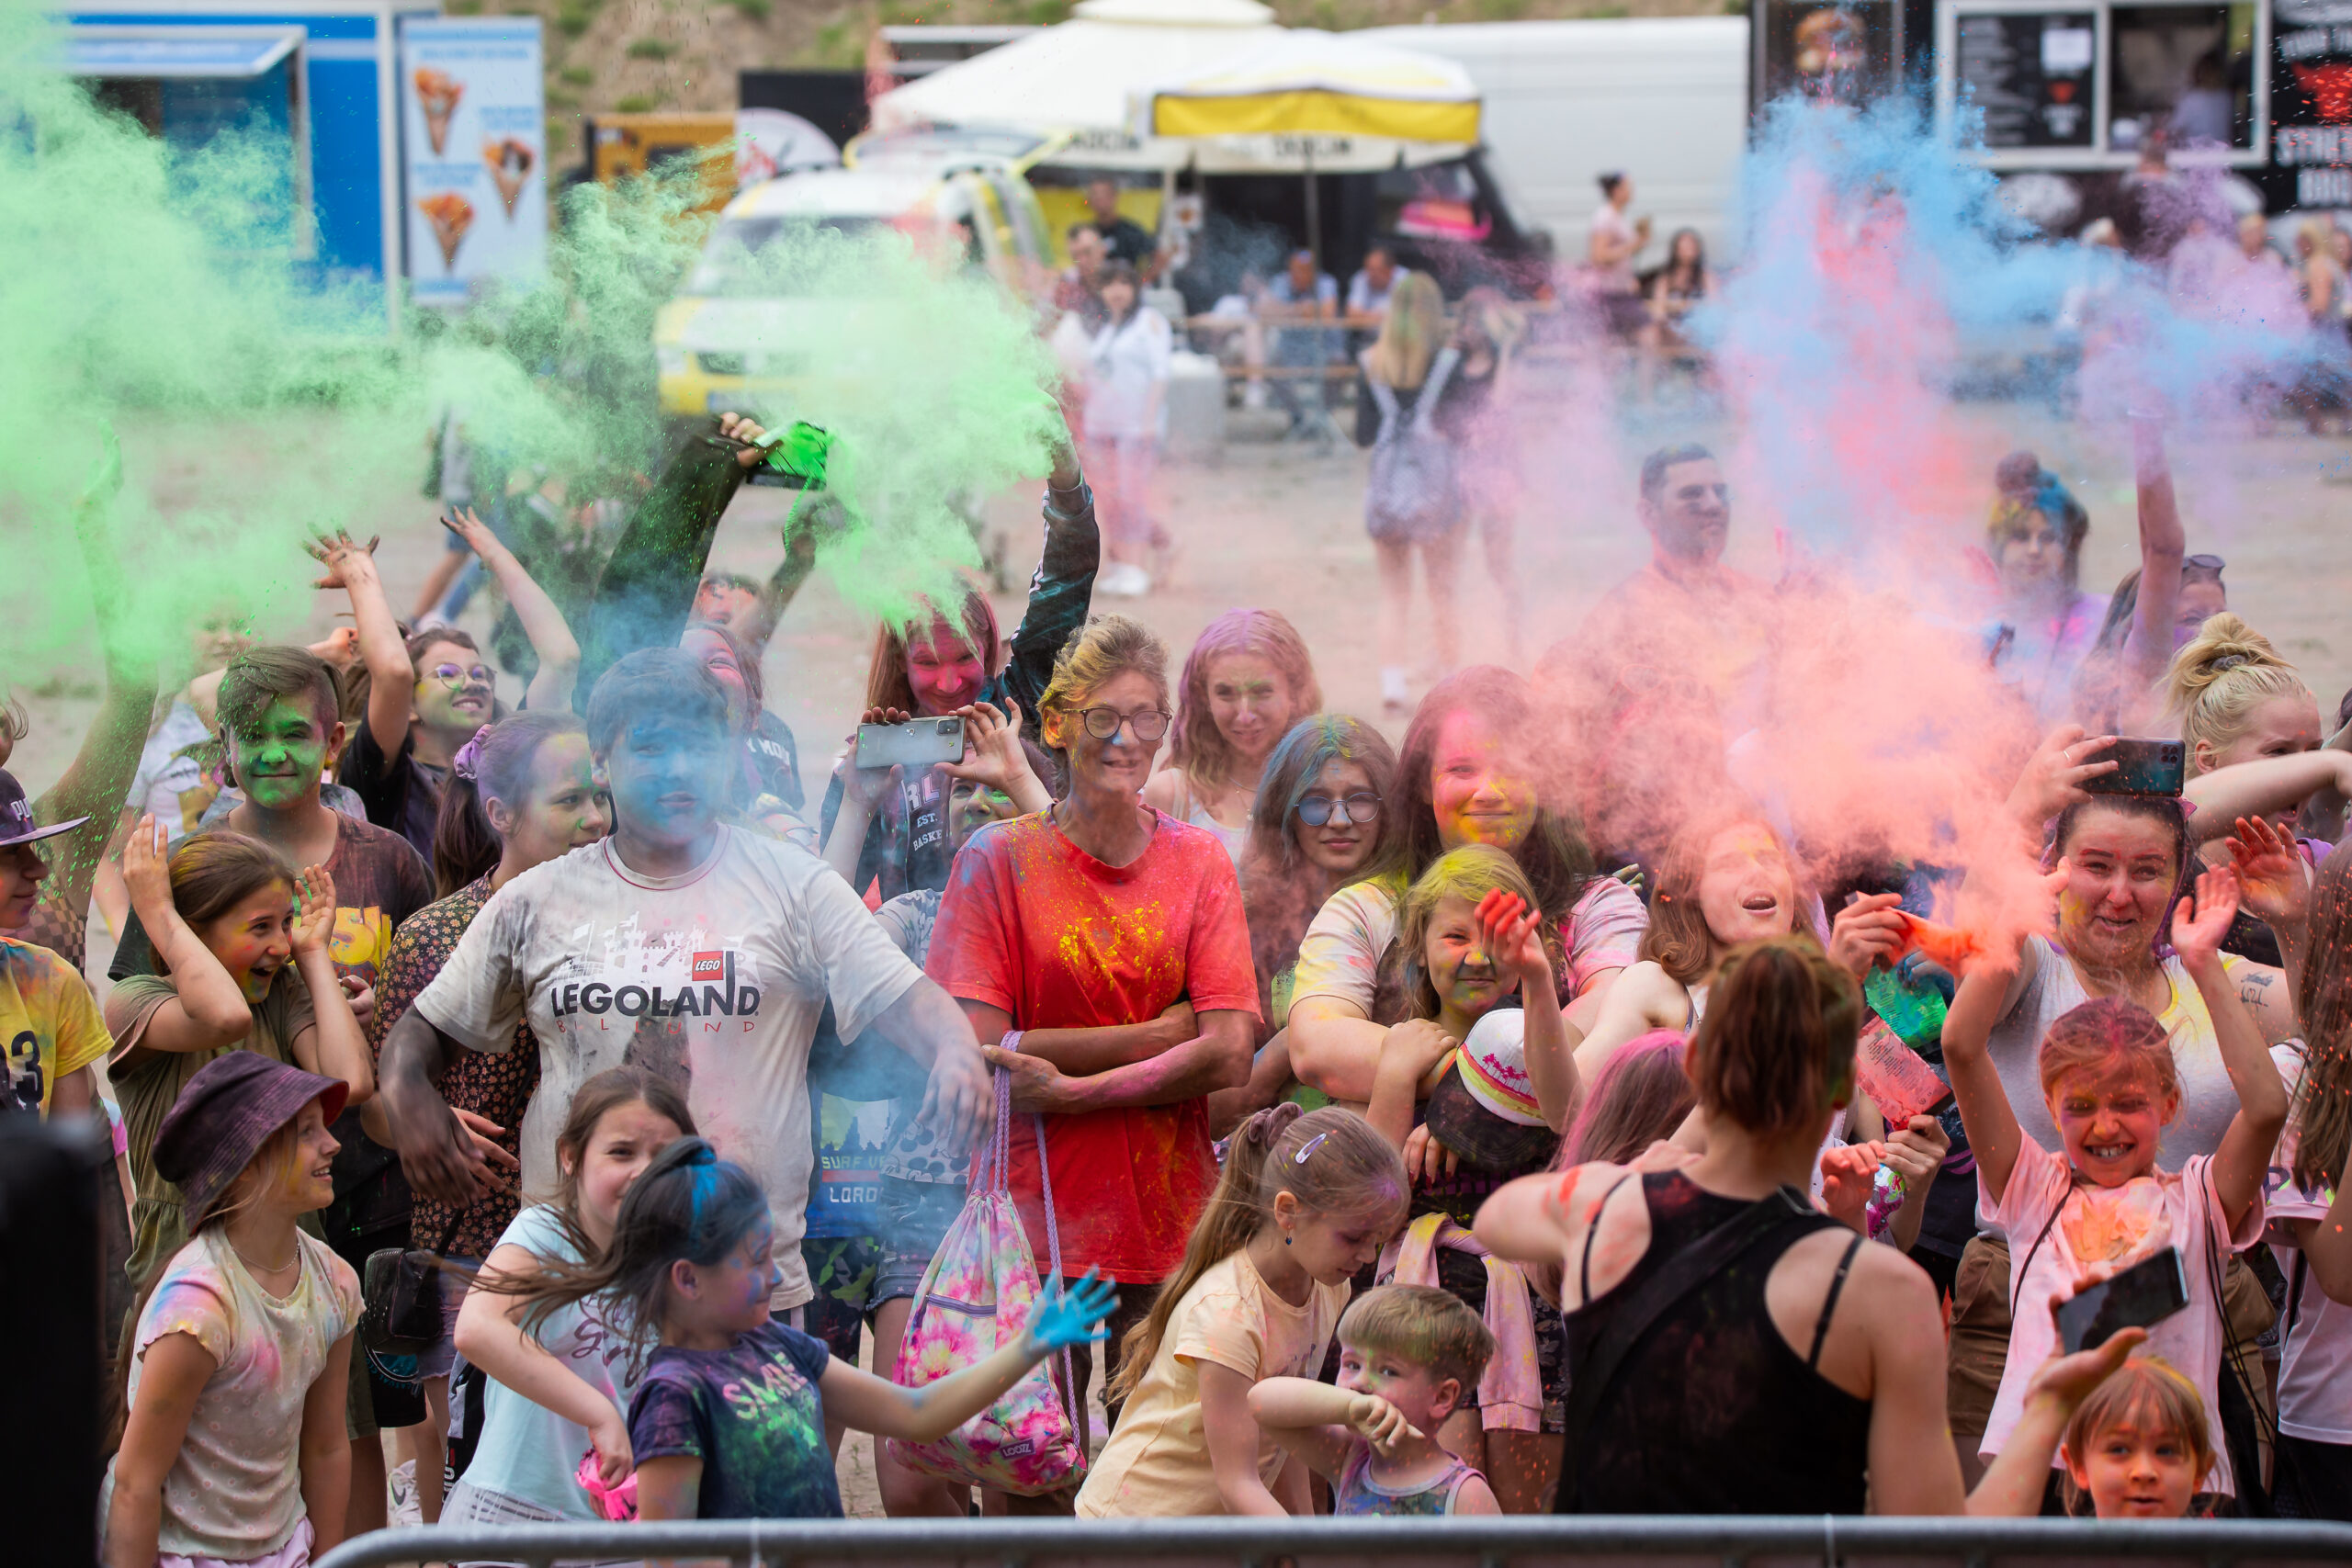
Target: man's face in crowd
column 1086, row 254
column 1690, row 517
column 1302, row 275
column 668, row 778
column 1103, row 197
column 1379, row 269
column 278, row 759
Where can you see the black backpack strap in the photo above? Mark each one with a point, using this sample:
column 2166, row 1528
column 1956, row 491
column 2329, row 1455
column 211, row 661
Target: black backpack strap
column 1684, row 1272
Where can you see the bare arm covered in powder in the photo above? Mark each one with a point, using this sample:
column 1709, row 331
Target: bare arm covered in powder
column 2164, row 545
column 1217, row 1057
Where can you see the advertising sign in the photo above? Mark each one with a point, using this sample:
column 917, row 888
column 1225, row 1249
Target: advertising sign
column 2030, row 73
column 473, row 144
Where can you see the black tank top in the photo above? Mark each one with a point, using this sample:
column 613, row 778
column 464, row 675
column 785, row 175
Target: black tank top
column 1712, row 1412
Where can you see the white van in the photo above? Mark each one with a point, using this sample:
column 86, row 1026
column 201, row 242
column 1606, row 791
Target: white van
column 706, row 340
column 1663, row 99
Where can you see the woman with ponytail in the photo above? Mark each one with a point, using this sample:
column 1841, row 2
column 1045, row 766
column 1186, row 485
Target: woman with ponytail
column 520, row 793
column 1305, row 1201
column 1788, row 1367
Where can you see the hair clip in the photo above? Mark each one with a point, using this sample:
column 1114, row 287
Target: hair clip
column 1306, row 1149
column 466, row 763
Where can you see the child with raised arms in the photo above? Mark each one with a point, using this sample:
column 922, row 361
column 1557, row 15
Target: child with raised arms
column 2101, row 1204
column 1408, row 1355
column 1304, row 1201
column 728, row 1421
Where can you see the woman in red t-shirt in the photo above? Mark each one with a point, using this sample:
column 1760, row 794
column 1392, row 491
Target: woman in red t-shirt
column 1091, row 921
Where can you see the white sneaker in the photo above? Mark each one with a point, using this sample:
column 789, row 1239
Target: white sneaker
column 1124, row 580
column 1253, row 396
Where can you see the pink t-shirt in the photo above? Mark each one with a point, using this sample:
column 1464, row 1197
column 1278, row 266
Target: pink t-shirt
column 2119, row 1226
column 1034, row 925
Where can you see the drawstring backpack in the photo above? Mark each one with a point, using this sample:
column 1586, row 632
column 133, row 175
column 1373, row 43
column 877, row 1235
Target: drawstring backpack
column 976, row 1297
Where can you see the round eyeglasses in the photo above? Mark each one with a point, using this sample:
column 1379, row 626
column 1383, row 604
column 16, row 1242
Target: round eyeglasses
column 1316, row 809
column 1104, row 724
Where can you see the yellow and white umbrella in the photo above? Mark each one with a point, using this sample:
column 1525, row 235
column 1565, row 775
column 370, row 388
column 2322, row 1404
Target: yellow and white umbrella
column 1307, row 83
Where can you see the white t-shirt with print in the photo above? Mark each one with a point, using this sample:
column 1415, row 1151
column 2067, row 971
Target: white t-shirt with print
column 528, row 1452
column 2116, row 1225
column 2207, row 1100
column 2315, row 1368
column 168, row 784
column 714, row 978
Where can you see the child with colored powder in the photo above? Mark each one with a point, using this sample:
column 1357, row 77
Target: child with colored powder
column 2138, row 1445
column 243, row 946
column 233, row 1445
column 1305, row 1201
column 47, row 1015
column 729, row 1419
column 2102, row 1203
column 1409, row 1355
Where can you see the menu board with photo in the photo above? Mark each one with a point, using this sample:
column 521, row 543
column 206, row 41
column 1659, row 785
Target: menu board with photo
column 473, row 140
column 2310, row 105
column 2030, row 75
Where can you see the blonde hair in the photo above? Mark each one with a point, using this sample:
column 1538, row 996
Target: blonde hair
column 1411, row 333
column 1195, row 746
column 1330, row 1160
column 2146, row 1391
column 2219, row 677
column 1424, row 1325
column 1105, row 648
column 1469, row 874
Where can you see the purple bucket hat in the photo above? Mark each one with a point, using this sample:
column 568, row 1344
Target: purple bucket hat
column 226, row 1113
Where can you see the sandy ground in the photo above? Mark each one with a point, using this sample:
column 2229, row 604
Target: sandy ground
column 1279, row 525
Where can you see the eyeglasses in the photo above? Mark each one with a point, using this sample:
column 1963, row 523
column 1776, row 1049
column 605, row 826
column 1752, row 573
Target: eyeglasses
column 1103, row 724
column 456, row 675
column 2209, row 566
column 1316, row 809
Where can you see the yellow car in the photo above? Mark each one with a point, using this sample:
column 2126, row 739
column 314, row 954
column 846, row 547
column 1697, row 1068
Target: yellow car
column 708, row 339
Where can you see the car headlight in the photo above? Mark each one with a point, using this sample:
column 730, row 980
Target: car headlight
column 670, row 359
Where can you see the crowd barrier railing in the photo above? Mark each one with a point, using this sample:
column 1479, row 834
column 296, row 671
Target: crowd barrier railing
column 1694, row 1542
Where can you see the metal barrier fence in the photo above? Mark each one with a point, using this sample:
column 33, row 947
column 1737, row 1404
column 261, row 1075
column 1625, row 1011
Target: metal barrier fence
column 1492, row 1542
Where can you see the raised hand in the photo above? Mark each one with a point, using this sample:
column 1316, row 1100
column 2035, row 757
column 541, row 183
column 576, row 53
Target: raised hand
column 345, row 558
column 1917, row 1152
column 992, row 754
column 743, row 428
column 462, row 522
column 2055, row 775
column 1073, row 1316
column 2197, row 934
column 2271, row 884
column 1513, row 936
column 1868, row 933
column 1381, row 1423
column 314, row 910
column 145, row 868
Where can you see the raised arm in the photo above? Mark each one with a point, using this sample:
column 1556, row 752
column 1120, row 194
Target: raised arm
column 391, row 680
column 335, row 1043
column 1513, row 936
column 2164, row 545
column 210, row 1011
column 543, row 624
column 1984, row 1110
column 2261, row 788
column 1408, row 1053
column 1062, row 589
column 1644, row 998
column 2243, row 1160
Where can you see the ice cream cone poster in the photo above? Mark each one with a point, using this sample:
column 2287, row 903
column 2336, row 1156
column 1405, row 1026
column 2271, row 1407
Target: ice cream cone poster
column 473, row 139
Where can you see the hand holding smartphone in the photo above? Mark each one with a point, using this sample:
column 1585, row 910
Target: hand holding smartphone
column 2146, row 1293
column 918, row 743
column 2141, row 767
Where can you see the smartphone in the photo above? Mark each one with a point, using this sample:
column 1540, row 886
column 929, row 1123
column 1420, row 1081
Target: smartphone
column 2143, row 767
column 796, row 454
column 2149, row 1291
column 918, row 743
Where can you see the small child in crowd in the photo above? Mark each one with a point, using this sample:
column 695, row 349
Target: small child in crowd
column 1305, row 1201
column 2102, row 1205
column 728, row 1421
column 232, row 1448
column 2139, row 1446
column 1408, row 1355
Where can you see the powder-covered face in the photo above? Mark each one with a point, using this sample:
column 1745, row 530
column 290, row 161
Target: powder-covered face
column 21, row 868
column 972, row 807
column 454, row 689
column 1461, row 971
column 2137, row 1470
column 563, row 809
column 711, row 649
column 1249, row 702
column 2201, row 600
column 731, row 1295
column 1122, row 762
column 2034, row 558
column 1477, row 787
column 254, row 939
column 668, row 778
column 1339, row 846
column 736, row 608
column 2283, row 725
column 944, row 671
column 2111, row 1120
column 278, row 759
column 1690, row 519
column 622, row 1145
column 1424, row 1398
column 2120, row 870
column 1746, row 891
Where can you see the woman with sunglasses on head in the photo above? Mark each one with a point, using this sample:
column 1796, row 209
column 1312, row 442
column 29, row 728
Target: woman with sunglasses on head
column 429, row 693
column 1317, row 826
column 2101, row 699
column 1070, row 935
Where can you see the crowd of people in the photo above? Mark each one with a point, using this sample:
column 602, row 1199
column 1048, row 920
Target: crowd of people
column 1537, row 1114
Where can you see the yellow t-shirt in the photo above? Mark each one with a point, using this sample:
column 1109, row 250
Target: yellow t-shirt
column 1157, row 1463
column 49, row 1026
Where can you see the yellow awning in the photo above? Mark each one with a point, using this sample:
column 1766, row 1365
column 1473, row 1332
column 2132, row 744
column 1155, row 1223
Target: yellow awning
column 1315, row 111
